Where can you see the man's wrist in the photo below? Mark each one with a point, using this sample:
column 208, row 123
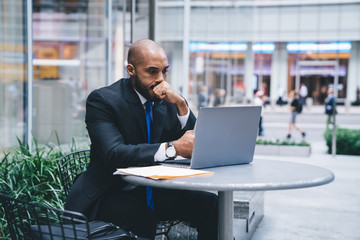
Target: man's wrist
column 182, row 107
column 160, row 154
column 183, row 119
column 170, row 151
column 176, row 146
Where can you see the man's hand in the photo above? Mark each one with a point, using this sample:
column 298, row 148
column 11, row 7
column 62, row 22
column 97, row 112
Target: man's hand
column 164, row 91
column 184, row 146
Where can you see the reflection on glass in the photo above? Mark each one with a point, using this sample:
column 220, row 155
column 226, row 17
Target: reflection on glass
column 69, row 51
column 70, row 60
column 12, row 72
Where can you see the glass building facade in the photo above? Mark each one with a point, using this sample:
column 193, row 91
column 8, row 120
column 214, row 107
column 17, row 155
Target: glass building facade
column 53, row 53
column 71, row 47
column 13, row 72
column 274, row 46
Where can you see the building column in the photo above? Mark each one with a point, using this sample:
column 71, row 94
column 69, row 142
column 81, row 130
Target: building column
column 353, row 81
column 279, row 72
column 29, row 87
column 153, row 13
column 249, row 73
column 177, row 77
column 186, row 53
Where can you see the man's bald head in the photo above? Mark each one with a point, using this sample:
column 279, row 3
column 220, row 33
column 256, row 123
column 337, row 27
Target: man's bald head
column 139, row 48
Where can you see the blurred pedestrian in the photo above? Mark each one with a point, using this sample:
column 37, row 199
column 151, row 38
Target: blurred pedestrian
column 329, row 107
column 259, row 100
column 303, row 92
column 219, row 97
column 294, row 108
column 203, row 97
column 280, row 100
column 357, row 101
column 322, row 95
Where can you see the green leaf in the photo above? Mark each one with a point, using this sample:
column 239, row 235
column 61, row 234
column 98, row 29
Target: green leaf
column 32, row 176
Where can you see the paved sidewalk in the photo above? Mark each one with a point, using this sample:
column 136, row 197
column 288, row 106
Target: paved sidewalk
column 316, row 109
column 330, row 212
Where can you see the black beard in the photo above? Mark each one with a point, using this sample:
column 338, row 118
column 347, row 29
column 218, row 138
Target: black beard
column 143, row 90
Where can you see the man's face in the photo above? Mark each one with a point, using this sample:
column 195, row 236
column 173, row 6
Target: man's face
column 149, row 72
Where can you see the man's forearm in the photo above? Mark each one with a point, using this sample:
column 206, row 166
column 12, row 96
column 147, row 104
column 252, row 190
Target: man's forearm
column 182, row 107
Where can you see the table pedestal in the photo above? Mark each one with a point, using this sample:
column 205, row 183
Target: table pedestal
column 260, row 175
column 226, row 214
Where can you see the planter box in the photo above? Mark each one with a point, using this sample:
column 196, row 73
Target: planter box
column 282, row 150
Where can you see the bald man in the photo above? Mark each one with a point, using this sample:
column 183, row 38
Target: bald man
column 116, row 122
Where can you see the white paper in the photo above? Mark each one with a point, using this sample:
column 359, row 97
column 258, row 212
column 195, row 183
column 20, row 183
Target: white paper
column 160, row 172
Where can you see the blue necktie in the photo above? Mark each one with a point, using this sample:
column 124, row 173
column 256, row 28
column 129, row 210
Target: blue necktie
column 149, row 190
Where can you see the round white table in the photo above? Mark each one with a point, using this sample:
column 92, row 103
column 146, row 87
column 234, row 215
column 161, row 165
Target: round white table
column 260, row 175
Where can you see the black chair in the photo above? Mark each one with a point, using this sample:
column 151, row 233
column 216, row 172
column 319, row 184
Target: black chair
column 71, row 166
column 34, row 221
column 75, row 163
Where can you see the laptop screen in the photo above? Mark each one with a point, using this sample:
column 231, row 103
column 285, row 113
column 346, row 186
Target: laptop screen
column 225, row 136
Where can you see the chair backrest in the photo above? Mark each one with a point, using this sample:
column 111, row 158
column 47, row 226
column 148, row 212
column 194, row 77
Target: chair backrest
column 71, row 166
column 75, row 163
column 33, row 221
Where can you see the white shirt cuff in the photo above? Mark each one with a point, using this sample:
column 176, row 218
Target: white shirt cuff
column 160, row 154
column 183, row 119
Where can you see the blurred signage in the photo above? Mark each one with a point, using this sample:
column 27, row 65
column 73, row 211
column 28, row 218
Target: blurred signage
column 217, row 47
column 230, row 47
column 319, row 47
column 270, row 47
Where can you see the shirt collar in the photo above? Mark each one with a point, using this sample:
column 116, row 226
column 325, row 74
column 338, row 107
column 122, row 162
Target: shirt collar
column 141, row 97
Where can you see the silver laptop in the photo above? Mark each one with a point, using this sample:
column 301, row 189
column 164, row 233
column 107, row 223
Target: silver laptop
column 223, row 136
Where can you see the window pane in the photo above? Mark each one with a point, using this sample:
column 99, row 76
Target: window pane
column 70, row 59
column 13, row 77
column 69, row 46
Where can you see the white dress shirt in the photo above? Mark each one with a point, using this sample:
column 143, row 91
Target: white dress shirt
column 160, row 154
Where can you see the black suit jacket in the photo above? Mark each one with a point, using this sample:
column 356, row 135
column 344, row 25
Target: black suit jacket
column 116, row 123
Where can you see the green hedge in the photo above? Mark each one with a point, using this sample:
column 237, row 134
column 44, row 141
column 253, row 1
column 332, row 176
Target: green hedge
column 31, row 176
column 347, row 141
column 283, row 143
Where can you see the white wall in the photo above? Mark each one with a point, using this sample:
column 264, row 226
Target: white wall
column 276, row 23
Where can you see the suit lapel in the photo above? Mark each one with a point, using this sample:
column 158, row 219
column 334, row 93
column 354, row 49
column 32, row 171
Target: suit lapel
column 159, row 118
column 140, row 117
column 136, row 107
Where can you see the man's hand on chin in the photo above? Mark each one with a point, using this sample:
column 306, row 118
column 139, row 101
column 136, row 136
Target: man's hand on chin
column 166, row 92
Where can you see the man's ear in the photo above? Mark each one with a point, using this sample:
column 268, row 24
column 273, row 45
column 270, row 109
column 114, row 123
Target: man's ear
column 130, row 69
